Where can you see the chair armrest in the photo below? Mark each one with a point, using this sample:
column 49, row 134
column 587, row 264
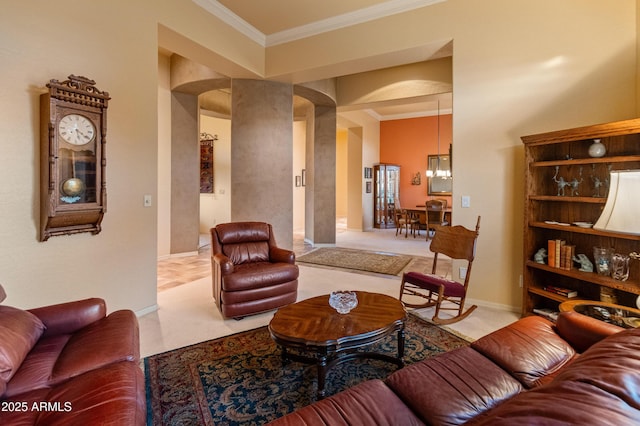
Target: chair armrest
column 224, row 263
column 277, row 254
column 69, row 317
column 582, row 331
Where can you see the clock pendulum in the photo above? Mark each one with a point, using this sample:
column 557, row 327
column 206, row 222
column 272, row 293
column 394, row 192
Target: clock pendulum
column 72, row 187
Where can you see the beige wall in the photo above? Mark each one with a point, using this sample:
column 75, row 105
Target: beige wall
column 518, row 68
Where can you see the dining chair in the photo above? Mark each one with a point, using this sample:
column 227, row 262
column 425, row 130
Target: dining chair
column 455, row 242
column 401, row 221
column 434, row 215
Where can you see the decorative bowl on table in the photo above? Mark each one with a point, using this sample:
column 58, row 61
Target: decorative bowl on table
column 343, row 301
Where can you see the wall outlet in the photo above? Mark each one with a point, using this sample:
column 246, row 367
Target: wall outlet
column 462, row 272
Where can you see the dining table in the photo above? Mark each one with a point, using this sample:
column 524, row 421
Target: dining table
column 420, row 212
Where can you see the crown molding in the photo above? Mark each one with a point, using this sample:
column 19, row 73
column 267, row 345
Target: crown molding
column 360, row 16
column 239, row 24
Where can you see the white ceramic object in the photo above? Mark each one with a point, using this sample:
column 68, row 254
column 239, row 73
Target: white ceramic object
column 583, row 224
column 597, row 149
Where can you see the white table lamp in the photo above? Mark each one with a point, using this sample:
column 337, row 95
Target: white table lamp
column 622, row 210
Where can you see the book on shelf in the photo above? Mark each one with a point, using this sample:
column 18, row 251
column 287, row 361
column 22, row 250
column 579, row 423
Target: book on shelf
column 560, row 254
column 561, row 291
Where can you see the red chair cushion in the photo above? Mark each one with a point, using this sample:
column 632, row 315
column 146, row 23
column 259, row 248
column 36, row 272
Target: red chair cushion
column 434, row 282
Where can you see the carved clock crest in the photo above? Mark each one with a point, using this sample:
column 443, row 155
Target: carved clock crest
column 73, row 136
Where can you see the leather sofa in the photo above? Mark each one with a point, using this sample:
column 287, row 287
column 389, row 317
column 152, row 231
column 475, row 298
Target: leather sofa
column 579, row 371
column 251, row 274
column 70, row 364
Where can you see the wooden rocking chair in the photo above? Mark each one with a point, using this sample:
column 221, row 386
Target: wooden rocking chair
column 457, row 242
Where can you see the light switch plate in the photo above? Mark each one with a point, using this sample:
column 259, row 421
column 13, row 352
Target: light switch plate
column 466, row 201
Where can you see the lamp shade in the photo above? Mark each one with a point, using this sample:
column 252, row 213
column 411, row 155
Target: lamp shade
column 622, row 210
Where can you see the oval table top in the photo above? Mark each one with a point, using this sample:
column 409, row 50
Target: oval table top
column 312, row 322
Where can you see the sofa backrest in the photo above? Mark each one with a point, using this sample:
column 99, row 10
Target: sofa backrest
column 529, row 349
column 599, row 388
column 243, row 242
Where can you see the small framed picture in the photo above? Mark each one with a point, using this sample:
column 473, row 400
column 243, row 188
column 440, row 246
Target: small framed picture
column 368, row 187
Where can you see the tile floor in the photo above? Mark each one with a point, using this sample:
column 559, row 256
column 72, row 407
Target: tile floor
column 187, row 313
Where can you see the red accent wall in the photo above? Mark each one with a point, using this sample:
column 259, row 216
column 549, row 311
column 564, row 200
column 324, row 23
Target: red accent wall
column 407, row 143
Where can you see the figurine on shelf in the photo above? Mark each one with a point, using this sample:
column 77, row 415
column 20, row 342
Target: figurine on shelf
column 598, row 183
column 585, row 263
column 561, row 182
column 575, row 183
column 540, row 255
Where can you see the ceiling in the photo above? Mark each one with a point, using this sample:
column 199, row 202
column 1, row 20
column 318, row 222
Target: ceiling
column 279, row 21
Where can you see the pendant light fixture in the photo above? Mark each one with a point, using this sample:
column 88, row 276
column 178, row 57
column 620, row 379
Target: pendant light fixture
column 438, row 172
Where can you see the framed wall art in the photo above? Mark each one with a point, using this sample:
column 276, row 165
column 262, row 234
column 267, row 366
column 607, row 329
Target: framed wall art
column 206, row 162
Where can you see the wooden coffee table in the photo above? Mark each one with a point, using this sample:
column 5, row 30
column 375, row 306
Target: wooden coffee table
column 317, row 334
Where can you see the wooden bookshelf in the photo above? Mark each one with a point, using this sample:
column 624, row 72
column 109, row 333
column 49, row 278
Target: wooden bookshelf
column 551, row 213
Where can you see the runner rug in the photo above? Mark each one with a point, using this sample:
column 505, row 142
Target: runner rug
column 241, row 380
column 362, row 260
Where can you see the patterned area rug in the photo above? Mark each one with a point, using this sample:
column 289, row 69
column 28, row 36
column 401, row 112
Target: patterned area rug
column 240, row 379
column 362, row 260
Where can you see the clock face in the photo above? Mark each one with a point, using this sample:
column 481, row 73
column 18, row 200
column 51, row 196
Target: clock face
column 76, row 129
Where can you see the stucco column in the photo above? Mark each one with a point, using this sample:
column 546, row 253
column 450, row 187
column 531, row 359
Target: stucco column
column 320, row 202
column 355, row 172
column 185, row 173
column 262, row 155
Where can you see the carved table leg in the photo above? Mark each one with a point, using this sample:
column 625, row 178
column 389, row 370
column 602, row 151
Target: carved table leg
column 322, row 374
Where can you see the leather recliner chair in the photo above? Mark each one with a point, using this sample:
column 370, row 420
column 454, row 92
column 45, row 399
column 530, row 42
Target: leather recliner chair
column 250, row 273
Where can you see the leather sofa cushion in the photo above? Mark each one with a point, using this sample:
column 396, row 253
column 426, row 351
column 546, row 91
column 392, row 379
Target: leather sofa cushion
column 57, row 358
column 564, row 403
column 368, row 403
column 112, row 395
column 256, row 275
column 612, row 365
column 68, row 317
column 453, row 387
column 19, row 332
column 529, row 349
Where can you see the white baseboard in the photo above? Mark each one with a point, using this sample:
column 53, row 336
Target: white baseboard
column 498, row 306
column 146, row 310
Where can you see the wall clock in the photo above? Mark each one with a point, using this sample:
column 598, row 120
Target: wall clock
column 73, row 135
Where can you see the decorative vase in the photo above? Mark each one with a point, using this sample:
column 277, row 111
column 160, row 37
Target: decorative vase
column 620, row 267
column 602, row 260
column 597, row 149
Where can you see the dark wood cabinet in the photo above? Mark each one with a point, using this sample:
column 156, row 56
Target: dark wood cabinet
column 553, row 207
column 386, row 190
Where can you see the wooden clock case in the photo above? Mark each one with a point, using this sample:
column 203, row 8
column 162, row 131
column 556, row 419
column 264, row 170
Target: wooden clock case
column 65, row 165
